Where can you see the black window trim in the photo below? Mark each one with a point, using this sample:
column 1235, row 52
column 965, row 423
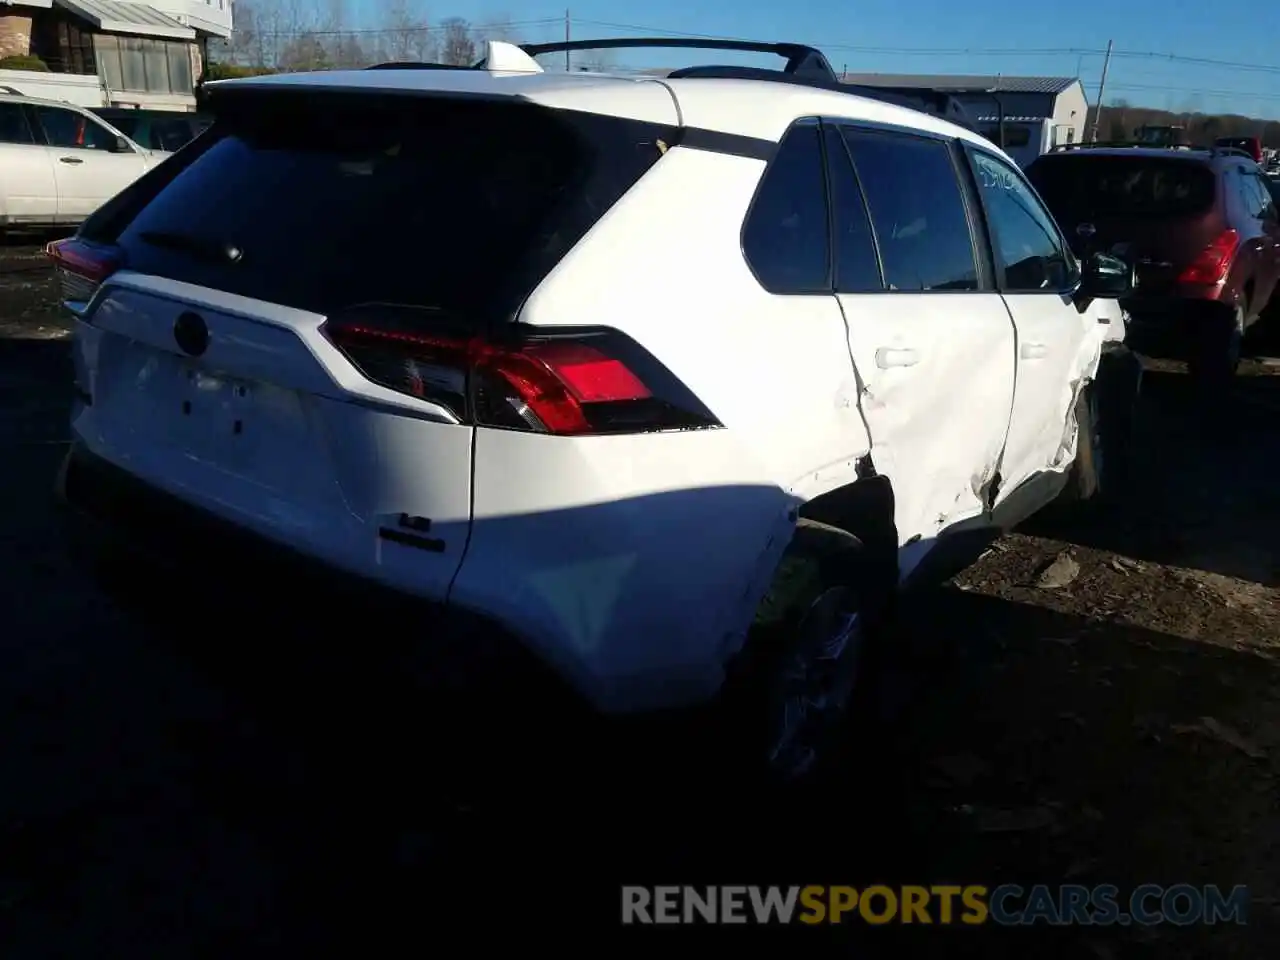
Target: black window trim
column 37, row 128
column 830, row 130
column 982, row 259
column 1070, row 290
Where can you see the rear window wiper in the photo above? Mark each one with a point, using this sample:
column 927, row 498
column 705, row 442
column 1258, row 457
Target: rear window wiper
column 196, row 246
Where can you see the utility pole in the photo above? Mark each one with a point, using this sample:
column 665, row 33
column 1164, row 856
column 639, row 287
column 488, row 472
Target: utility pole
column 567, row 68
column 1102, row 88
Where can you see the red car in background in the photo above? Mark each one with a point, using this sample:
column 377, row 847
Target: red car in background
column 1201, row 228
column 1250, row 145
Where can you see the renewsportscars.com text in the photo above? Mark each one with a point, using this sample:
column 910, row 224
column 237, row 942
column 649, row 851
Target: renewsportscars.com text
column 1005, row 905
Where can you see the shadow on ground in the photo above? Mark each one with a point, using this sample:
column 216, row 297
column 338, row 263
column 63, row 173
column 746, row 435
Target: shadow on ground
column 1204, row 491
column 206, row 789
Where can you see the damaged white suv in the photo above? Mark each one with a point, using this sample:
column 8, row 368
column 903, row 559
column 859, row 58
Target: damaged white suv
column 671, row 381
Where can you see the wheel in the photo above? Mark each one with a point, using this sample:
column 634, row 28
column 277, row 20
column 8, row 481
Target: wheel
column 809, row 653
column 1215, row 350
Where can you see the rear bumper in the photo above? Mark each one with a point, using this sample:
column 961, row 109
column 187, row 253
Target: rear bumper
column 196, row 569
column 1175, row 327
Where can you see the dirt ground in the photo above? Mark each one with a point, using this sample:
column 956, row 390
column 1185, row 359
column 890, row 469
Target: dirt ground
column 1120, row 727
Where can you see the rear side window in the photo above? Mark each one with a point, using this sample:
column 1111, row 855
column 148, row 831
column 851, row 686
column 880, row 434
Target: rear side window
column 13, row 124
column 918, row 210
column 334, row 201
column 1255, row 195
column 1082, row 187
column 786, row 239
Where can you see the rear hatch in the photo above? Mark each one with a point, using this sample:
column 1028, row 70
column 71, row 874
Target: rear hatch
column 1157, row 211
column 205, row 359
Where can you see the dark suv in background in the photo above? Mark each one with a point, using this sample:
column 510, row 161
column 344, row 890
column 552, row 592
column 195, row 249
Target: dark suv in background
column 1199, row 225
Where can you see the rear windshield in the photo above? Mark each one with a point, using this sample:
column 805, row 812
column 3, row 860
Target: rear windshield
column 1247, row 144
column 1078, row 185
column 331, row 202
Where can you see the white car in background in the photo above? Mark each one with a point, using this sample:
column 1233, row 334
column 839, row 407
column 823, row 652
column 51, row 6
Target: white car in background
column 59, row 163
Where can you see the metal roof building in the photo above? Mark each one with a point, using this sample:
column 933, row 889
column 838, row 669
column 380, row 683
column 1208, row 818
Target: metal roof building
column 1059, row 99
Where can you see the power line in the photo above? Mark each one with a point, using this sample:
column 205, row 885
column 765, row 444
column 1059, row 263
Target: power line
column 1150, row 55
column 966, row 51
column 400, row 31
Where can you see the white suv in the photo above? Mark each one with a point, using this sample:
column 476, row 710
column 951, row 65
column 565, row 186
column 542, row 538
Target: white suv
column 671, row 380
column 59, row 163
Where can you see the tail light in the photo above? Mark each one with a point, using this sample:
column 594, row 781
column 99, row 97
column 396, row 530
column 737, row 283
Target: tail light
column 82, row 267
column 1214, row 261
column 565, row 382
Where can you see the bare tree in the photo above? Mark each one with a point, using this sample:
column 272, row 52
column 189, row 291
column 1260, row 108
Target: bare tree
column 305, row 52
column 406, row 32
column 244, row 35
column 498, row 27
column 457, row 45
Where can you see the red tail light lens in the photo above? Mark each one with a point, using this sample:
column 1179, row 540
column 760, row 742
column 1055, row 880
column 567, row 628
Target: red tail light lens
column 561, row 382
column 1214, row 261
column 82, row 267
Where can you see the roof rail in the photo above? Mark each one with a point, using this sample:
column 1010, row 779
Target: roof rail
column 1215, row 151
column 804, row 65
column 802, row 60
column 413, row 65
column 1133, row 144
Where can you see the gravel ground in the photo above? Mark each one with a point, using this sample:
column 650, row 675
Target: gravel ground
column 166, row 798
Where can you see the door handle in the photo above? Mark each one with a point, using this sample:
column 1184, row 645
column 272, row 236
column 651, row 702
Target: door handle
column 887, row 357
column 1034, row 351
column 70, row 160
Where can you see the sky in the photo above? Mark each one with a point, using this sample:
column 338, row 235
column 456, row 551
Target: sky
column 1208, row 57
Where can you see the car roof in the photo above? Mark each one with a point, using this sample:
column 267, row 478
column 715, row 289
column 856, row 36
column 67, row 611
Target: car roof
column 745, row 107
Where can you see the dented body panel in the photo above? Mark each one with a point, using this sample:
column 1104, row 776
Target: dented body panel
column 938, row 380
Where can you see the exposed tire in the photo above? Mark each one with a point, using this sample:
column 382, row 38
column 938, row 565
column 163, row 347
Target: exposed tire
column 810, row 655
column 1085, row 477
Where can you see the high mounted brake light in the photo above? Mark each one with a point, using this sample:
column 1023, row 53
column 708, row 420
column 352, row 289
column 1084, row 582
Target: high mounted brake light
column 568, row 383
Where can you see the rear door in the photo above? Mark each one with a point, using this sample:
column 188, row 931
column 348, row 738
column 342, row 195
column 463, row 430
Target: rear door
column 88, row 166
column 1057, row 345
column 931, row 339
column 27, row 190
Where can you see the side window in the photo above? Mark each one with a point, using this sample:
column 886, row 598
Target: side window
column 1029, row 251
column 857, row 266
column 917, row 210
column 785, row 238
column 13, row 124
column 67, row 129
column 1247, row 188
column 1262, row 196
